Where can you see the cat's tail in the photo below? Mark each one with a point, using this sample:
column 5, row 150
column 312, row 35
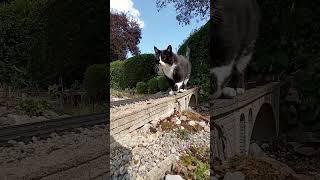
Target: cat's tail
column 188, row 53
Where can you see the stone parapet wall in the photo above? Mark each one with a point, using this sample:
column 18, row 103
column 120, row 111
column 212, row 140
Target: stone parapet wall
column 127, row 118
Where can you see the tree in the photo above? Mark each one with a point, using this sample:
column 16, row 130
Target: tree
column 125, row 35
column 187, row 9
column 77, row 37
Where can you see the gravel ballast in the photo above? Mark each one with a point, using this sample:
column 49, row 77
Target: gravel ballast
column 40, row 158
column 139, row 152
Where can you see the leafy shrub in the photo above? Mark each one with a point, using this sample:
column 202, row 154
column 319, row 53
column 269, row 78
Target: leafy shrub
column 117, row 74
column 126, row 74
column 33, row 107
column 198, row 43
column 139, row 68
column 22, row 41
column 142, row 88
column 153, row 85
column 41, row 40
column 287, row 45
column 163, row 83
column 95, row 81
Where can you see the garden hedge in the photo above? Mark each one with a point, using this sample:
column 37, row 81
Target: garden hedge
column 117, row 74
column 198, row 43
column 42, row 41
column 142, row 88
column 96, row 81
column 153, row 85
column 127, row 73
column 163, row 83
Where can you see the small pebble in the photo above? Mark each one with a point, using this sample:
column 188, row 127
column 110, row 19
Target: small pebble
column 192, row 123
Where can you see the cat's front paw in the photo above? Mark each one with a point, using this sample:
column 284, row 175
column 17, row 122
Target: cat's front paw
column 240, row 91
column 229, row 92
column 171, row 92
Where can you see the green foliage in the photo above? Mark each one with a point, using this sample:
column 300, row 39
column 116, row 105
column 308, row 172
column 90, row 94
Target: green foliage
column 126, row 74
column 96, row 80
column 202, row 171
column 142, row 88
column 163, row 83
column 289, row 41
column 198, row 43
column 183, row 134
column 153, row 85
column 117, row 76
column 139, row 68
column 187, row 10
column 33, row 107
column 195, row 163
column 22, row 41
column 41, row 40
column 77, row 36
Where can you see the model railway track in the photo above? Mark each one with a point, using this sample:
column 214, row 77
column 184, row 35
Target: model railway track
column 25, row 132
column 134, row 100
column 144, row 98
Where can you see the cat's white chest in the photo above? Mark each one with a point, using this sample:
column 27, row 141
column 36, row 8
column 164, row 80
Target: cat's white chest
column 167, row 69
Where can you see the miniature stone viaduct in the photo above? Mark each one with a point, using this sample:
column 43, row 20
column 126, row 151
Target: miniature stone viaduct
column 234, row 123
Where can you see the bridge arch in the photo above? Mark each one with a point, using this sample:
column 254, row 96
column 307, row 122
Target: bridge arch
column 192, row 101
column 251, row 116
column 265, row 125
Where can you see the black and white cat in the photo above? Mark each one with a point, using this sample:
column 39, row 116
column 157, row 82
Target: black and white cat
column 233, row 32
column 176, row 68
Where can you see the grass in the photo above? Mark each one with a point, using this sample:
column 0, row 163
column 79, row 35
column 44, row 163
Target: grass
column 183, row 134
column 194, row 164
column 83, row 109
column 128, row 93
column 32, row 106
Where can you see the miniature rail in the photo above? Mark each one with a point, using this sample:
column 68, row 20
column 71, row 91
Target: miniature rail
column 25, row 132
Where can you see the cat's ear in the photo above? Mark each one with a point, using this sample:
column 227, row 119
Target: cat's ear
column 156, row 50
column 169, row 49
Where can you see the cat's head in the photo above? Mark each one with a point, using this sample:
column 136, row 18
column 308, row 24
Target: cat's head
column 164, row 56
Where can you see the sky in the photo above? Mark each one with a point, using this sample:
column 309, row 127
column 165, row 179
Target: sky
column 158, row 28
